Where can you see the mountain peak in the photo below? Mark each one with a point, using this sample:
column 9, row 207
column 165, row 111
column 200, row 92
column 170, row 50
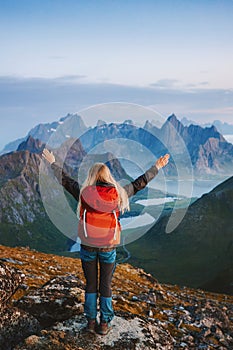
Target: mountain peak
column 174, row 120
column 32, row 145
column 129, row 121
column 101, row 122
column 148, row 124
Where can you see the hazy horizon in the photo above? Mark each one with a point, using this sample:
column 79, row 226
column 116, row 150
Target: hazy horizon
column 60, row 57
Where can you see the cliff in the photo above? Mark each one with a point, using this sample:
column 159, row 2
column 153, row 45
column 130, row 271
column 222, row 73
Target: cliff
column 210, row 153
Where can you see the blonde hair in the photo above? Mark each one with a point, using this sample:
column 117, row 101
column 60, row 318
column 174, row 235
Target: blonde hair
column 100, row 172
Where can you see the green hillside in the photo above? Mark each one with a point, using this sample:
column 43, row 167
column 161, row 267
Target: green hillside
column 199, row 251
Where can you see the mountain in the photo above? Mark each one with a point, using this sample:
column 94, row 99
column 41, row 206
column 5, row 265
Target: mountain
column 23, row 219
column 12, row 146
column 32, row 145
column 198, row 253
column 22, row 214
column 186, row 122
column 71, row 125
column 46, row 311
column 122, row 132
column 210, row 153
column 126, row 141
column 223, row 127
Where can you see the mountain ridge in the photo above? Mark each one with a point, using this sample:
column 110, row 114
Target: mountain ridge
column 210, row 153
column 47, row 308
column 44, row 131
column 199, row 250
column 222, row 127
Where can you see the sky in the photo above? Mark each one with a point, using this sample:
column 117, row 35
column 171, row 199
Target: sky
column 59, row 56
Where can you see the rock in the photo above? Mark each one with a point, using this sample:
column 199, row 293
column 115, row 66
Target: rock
column 10, row 260
column 16, row 325
column 58, row 299
column 10, row 278
column 132, row 333
column 118, row 297
column 32, row 145
column 150, row 313
column 183, row 319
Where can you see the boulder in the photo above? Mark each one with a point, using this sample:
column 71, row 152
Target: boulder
column 129, row 332
column 59, row 299
column 10, row 279
column 15, row 324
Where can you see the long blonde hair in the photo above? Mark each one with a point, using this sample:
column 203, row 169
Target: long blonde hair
column 100, row 172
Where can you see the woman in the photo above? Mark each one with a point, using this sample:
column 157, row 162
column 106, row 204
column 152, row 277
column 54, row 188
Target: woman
column 101, row 199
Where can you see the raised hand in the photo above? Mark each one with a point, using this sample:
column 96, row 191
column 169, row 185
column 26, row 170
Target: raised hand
column 46, row 154
column 162, row 161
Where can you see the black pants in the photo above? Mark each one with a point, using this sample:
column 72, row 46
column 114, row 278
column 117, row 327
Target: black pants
column 98, row 267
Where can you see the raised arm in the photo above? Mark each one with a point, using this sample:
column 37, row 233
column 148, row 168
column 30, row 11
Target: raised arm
column 143, row 180
column 67, row 182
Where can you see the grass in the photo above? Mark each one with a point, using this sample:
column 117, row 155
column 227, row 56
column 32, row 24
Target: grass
column 41, row 235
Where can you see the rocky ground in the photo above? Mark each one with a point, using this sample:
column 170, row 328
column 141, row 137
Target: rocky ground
column 41, row 307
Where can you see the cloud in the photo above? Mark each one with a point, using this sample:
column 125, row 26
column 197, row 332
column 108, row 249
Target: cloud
column 48, row 93
column 165, row 83
column 203, row 83
column 176, row 84
column 70, row 78
column 214, row 111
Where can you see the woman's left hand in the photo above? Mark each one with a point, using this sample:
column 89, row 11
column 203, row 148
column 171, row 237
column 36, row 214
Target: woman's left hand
column 48, row 156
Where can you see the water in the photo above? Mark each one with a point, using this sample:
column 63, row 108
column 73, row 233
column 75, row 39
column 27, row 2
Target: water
column 137, row 221
column 188, row 188
column 155, row 201
column 76, row 246
column 194, row 188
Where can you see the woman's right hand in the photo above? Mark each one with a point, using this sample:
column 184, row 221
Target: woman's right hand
column 46, row 154
column 162, row 161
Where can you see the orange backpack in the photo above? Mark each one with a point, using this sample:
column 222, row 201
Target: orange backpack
column 98, row 224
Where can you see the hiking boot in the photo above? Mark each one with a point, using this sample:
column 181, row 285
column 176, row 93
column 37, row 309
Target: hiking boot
column 91, row 326
column 104, row 328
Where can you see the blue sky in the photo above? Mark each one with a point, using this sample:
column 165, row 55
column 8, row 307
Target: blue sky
column 58, row 56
